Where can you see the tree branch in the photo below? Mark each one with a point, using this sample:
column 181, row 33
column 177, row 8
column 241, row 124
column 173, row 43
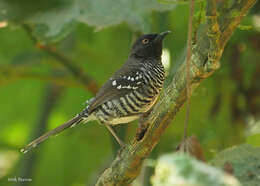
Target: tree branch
column 211, row 38
column 76, row 71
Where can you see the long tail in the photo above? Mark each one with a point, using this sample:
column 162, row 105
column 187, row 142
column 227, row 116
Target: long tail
column 77, row 119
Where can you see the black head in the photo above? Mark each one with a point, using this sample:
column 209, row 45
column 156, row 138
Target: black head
column 149, row 45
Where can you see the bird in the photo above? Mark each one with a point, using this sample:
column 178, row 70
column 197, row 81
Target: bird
column 131, row 91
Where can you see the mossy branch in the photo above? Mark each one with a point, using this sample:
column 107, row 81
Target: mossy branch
column 211, row 37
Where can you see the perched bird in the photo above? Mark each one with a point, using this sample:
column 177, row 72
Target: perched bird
column 128, row 94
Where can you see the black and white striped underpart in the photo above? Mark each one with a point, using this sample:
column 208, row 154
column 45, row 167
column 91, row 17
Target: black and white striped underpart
column 143, row 90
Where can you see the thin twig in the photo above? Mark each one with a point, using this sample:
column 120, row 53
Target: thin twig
column 76, row 71
column 188, row 89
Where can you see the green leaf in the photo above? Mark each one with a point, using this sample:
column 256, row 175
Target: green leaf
column 245, row 162
column 53, row 19
column 181, row 169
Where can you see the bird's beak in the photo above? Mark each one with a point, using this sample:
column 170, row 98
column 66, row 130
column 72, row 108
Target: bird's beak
column 161, row 36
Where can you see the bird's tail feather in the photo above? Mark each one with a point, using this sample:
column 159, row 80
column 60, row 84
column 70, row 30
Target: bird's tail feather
column 74, row 121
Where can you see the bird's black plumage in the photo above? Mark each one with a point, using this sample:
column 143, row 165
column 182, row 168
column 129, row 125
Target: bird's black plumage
column 141, row 54
column 129, row 93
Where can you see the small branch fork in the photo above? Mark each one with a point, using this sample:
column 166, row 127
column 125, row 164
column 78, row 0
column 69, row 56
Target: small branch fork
column 206, row 52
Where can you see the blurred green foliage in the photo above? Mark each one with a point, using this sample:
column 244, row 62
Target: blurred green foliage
column 244, row 161
column 182, row 169
column 224, row 109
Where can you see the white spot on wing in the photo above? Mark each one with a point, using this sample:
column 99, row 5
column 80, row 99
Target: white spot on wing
column 114, row 83
column 119, row 87
column 110, row 104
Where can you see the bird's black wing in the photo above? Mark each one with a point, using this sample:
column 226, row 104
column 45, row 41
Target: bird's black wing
column 126, row 79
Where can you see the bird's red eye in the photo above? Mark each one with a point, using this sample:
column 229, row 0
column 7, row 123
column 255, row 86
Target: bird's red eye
column 145, row 41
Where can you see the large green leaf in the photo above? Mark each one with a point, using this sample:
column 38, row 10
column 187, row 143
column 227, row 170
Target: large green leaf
column 245, row 162
column 52, row 19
